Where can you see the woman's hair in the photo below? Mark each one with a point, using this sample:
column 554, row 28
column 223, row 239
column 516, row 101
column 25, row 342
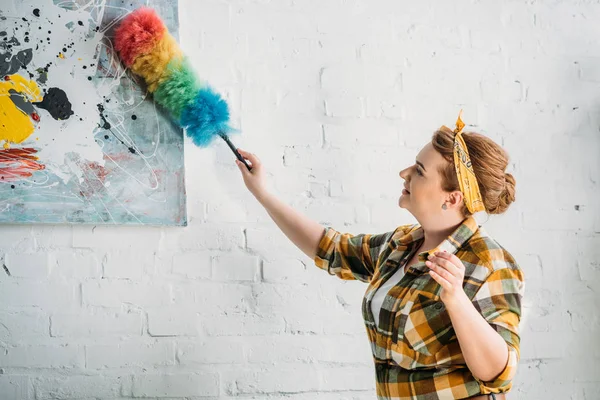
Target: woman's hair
column 489, row 161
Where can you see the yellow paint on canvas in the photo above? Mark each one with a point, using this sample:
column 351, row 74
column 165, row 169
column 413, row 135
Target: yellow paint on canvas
column 15, row 125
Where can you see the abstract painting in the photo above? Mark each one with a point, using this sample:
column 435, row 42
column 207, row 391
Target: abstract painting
column 81, row 142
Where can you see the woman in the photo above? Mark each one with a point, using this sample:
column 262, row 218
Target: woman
column 443, row 304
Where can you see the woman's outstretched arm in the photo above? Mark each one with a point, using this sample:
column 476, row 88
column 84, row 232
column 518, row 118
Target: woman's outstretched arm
column 301, row 230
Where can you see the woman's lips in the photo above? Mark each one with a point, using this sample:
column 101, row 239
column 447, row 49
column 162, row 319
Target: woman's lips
column 404, row 191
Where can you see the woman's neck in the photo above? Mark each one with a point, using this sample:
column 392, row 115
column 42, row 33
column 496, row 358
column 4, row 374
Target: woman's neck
column 435, row 235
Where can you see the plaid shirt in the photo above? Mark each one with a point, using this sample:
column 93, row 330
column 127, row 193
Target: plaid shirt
column 416, row 352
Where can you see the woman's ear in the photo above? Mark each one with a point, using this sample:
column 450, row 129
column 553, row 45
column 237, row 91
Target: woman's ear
column 455, row 198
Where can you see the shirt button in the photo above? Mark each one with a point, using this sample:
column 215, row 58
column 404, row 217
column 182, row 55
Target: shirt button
column 439, row 306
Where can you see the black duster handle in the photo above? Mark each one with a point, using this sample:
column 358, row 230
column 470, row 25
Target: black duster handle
column 234, row 149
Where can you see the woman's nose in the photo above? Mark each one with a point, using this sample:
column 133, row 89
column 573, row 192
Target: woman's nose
column 403, row 173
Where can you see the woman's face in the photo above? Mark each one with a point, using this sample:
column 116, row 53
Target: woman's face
column 423, row 182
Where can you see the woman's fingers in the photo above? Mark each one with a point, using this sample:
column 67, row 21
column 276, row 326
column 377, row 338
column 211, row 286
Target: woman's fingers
column 242, row 167
column 444, row 273
column 250, row 157
column 440, row 279
column 452, row 258
column 449, row 266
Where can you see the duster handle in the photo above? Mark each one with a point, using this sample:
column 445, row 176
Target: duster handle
column 234, row 149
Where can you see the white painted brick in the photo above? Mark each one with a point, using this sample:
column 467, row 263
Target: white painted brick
column 350, row 293
column 51, row 237
column 359, row 78
column 32, row 266
column 329, row 213
column 49, row 388
column 173, row 322
column 285, row 270
column 130, row 354
column 347, row 106
column 208, row 237
column 75, row 265
column 355, row 378
column 318, row 190
column 18, row 238
column 177, row 385
column 127, row 264
column 39, row 294
column 244, row 324
column 99, row 324
column 543, row 347
column 316, row 322
column 114, row 293
column 15, row 387
column 112, row 237
column 42, row 357
column 232, row 297
column 298, row 76
column 386, row 107
column 213, row 350
column 274, row 380
column 20, row 326
column 234, row 211
column 236, row 268
column 195, row 265
column 291, row 299
column 289, row 131
column 363, row 132
column 309, row 348
column 262, row 241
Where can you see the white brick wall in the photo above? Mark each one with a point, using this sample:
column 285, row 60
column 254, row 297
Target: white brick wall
column 335, row 97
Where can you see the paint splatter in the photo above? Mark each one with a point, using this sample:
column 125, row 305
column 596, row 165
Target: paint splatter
column 36, row 12
column 56, row 103
column 16, row 125
column 16, row 164
column 106, row 125
column 10, row 64
column 42, row 74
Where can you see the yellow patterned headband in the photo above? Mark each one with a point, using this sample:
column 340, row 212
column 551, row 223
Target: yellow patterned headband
column 464, row 170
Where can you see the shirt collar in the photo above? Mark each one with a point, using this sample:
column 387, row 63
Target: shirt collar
column 451, row 244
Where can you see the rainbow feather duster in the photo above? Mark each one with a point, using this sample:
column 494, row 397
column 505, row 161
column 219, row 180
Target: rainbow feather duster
column 149, row 51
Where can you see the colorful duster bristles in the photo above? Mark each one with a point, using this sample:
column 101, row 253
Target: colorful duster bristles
column 146, row 47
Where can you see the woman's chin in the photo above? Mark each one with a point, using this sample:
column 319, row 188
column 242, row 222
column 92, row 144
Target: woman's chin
column 401, row 201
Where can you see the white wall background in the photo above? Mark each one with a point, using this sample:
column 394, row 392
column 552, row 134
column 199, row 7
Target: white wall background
column 335, row 97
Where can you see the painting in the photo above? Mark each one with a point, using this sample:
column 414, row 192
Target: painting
column 81, row 141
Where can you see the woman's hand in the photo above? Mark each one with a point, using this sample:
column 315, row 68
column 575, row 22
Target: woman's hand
column 255, row 180
column 449, row 272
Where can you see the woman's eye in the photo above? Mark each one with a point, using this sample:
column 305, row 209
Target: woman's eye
column 419, row 172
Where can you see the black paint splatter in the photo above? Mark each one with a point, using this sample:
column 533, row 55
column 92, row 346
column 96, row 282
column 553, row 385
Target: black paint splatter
column 80, row 23
column 134, row 117
column 56, row 103
column 106, row 125
column 36, row 12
